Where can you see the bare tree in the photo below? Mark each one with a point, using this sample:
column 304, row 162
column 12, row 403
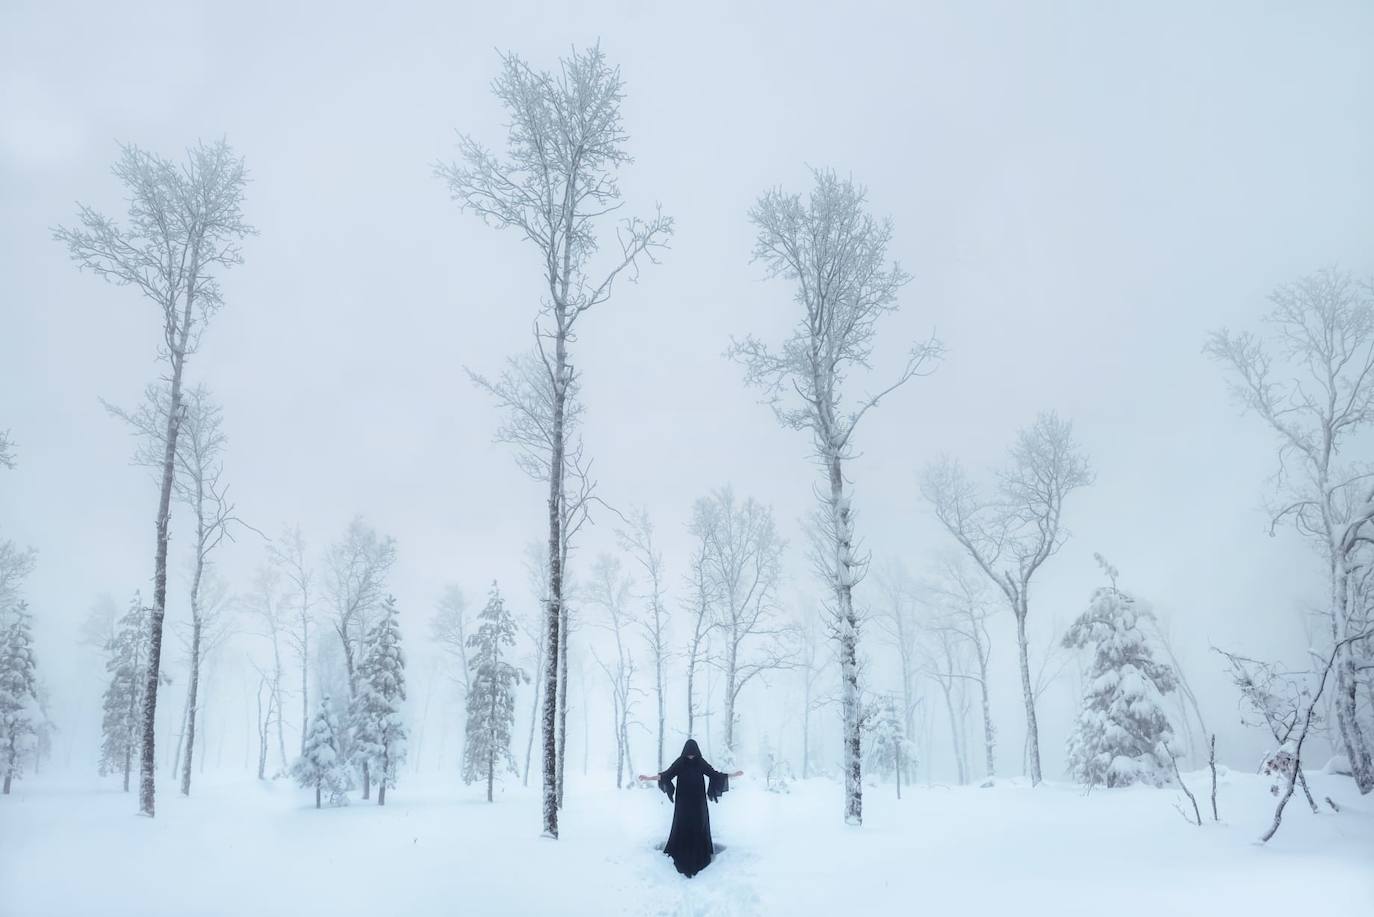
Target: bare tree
column 946, row 660
column 836, row 255
column 897, row 620
column 812, row 664
column 638, row 541
column 268, row 606
column 610, row 590
column 1312, row 382
column 214, row 621
column 700, row 602
column 743, row 560
column 288, row 555
column 449, row 628
column 356, row 570
column 184, row 223
column 965, row 608
column 536, row 563
column 556, row 188
column 526, row 395
column 1011, row 536
column 6, row 450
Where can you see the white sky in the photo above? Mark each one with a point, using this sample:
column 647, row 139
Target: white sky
column 1080, row 192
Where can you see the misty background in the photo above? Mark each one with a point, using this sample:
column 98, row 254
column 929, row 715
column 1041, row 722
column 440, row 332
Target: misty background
column 1079, row 193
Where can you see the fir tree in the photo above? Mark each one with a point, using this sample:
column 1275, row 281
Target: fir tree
column 378, row 731
column 320, row 764
column 891, row 750
column 491, row 701
column 18, row 695
column 126, row 661
column 1123, row 733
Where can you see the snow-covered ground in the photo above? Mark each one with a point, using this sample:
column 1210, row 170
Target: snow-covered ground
column 244, row 848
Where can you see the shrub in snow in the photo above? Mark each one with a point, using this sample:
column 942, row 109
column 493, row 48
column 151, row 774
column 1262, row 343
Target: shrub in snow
column 18, row 695
column 378, row 731
column 320, row 765
column 491, row 699
column 126, row 661
column 1122, row 733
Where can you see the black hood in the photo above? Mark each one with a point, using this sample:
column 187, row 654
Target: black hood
column 690, row 749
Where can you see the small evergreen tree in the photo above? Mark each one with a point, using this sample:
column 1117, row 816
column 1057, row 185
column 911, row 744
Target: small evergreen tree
column 891, row 750
column 491, row 700
column 320, row 764
column 126, row 660
column 19, row 714
column 1122, row 734
column 379, row 733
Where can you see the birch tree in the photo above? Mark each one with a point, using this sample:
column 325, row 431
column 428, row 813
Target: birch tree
column 557, row 188
column 1311, row 380
column 184, row 226
column 638, row 541
column 835, row 254
column 1010, row 536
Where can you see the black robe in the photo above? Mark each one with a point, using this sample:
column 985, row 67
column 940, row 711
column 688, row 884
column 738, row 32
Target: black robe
column 689, row 841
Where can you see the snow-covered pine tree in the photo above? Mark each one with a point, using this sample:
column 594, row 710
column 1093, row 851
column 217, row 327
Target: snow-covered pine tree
column 1123, row 732
column 491, row 702
column 19, row 714
column 379, row 732
column 891, row 751
column 126, row 660
column 320, row 765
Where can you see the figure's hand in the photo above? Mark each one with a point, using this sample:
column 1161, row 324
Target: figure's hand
column 737, row 774
column 647, row 779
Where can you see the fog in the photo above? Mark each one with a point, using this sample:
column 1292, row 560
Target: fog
column 1080, row 192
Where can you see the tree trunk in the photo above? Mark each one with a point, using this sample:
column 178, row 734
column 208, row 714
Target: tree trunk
column 1032, row 729
column 534, row 718
column 563, row 661
column 317, row 794
column 849, row 645
column 191, row 699
column 553, row 647
column 989, row 734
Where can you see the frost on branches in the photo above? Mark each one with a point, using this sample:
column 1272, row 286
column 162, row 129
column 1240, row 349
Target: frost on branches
column 126, row 659
column 491, row 702
column 379, row 733
column 18, row 695
column 320, row 765
column 1122, row 734
column 890, row 750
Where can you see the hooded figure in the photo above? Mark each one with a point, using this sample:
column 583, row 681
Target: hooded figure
column 689, row 841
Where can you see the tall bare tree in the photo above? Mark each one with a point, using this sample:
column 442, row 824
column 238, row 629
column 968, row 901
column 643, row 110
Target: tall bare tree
column 963, row 609
column 557, row 188
column 897, row 619
column 1011, row 536
column 609, row 589
column 288, row 554
column 699, row 603
column 267, row 604
column 185, row 223
column 638, row 541
column 1312, row 382
column 835, row 254
column 743, row 561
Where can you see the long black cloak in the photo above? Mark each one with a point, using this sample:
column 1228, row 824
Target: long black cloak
column 689, row 841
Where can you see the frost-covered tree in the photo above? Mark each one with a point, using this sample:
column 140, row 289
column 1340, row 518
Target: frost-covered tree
column 610, row 591
column 126, row 661
column 835, row 254
column 6, row 450
column 962, row 595
column 557, row 188
column 1122, row 734
column 356, row 570
column 1311, row 380
column 491, row 703
column 20, row 717
column 1013, row 534
column 638, row 539
column 891, row 751
column 288, row 555
column 321, row 766
column 743, row 562
column 267, row 606
column 375, row 722
column 185, row 224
